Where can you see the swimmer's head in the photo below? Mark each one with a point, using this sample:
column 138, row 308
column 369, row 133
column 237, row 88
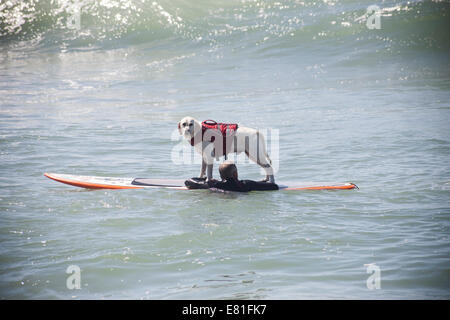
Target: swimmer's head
column 228, row 170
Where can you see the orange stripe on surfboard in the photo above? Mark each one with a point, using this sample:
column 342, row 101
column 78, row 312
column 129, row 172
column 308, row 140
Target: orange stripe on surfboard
column 347, row 186
column 88, row 185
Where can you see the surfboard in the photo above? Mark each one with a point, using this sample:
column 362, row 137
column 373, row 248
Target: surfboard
column 96, row 182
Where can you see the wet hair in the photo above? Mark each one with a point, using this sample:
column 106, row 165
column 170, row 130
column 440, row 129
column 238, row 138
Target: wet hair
column 227, row 170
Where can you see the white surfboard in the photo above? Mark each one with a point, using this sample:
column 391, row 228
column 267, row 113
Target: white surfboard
column 96, row 182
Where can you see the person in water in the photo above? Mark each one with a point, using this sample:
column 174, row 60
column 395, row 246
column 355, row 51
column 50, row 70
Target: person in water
column 230, row 182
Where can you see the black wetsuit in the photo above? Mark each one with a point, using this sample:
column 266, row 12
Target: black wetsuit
column 230, row 185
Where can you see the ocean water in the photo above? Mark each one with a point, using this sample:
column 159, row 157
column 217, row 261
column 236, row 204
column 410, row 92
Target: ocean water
column 97, row 88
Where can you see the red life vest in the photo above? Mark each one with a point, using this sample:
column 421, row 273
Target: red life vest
column 226, row 130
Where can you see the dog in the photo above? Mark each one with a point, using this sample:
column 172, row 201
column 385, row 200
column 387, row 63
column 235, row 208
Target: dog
column 243, row 139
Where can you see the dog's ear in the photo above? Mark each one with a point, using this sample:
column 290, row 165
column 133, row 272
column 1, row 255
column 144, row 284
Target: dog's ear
column 197, row 125
column 179, row 127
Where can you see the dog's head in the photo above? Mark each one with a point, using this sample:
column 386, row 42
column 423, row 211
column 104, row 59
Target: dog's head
column 188, row 127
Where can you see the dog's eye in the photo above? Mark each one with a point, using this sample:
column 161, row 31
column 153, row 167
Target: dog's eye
column 190, row 124
column 184, row 124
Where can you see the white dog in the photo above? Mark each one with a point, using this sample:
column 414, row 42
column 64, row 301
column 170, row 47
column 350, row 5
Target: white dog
column 244, row 139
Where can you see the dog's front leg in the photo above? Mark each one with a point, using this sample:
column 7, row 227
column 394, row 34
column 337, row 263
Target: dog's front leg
column 209, row 172
column 203, row 169
column 208, row 160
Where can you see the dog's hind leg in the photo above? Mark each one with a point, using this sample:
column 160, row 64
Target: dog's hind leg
column 263, row 158
column 263, row 163
column 260, row 157
column 269, row 172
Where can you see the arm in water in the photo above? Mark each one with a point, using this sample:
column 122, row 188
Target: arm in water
column 198, row 183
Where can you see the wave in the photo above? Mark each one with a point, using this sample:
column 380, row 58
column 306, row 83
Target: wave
column 237, row 23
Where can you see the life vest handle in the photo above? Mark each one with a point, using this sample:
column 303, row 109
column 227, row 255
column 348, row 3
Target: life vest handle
column 210, row 122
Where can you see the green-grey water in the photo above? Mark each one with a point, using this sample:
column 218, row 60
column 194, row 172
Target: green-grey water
column 369, row 106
